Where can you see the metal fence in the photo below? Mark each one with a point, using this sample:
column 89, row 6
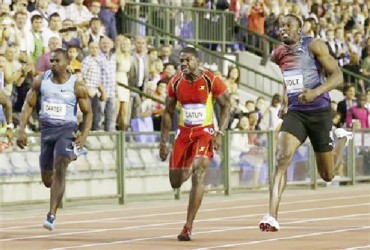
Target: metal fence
column 127, row 165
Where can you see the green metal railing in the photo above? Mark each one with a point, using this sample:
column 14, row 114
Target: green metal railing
column 356, row 166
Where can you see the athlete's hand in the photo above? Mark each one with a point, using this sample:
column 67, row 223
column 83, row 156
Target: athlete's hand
column 9, row 134
column 163, row 151
column 22, row 139
column 217, row 141
column 79, row 139
column 282, row 111
column 307, row 96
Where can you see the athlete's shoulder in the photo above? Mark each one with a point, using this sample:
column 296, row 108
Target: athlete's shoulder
column 176, row 78
column 277, row 53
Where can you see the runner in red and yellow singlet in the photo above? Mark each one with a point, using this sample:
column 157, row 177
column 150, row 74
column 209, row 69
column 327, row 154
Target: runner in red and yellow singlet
column 194, row 91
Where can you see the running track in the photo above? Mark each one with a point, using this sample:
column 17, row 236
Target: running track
column 326, row 218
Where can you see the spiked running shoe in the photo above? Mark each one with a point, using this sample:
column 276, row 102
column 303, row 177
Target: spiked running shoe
column 185, row 234
column 341, row 132
column 49, row 224
column 269, row 224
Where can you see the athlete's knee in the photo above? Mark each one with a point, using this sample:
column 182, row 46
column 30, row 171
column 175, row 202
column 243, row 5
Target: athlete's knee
column 327, row 175
column 199, row 168
column 284, row 158
column 61, row 162
column 176, row 178
column 47, row 179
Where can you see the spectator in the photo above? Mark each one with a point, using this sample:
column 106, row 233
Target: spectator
column 107, row 15
column 7, row 33
column 24, row 35
column 37, row 41
column 349, row 102
column 156, row 68
column 41, row 7
column 354, row 67
column 158, row 108
column 140, row 71
column 78, row 13
column 274, row 119
column 74, row 63
column 43, row 63
column 167, row 56
column 232, row 79
column 68, row 36
column 358, row 113
column 14, row 73
column 107, row 61
column 124, row 64
column 55, row 24
column 55, row 6
column 95, row 32
column 91, row 73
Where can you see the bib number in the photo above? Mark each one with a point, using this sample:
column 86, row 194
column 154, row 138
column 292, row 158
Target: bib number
column 57, row 110
column 194, row 114
column 293, row 80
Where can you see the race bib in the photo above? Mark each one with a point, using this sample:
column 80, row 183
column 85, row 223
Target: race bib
column 293, row 80
column 194, row 114
column 57, row 110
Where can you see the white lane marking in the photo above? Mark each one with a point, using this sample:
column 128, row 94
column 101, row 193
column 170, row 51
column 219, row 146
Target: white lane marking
column 282, row 238
column 175, row 223
column 182, row 212
column 213, row 231
column 356, row 248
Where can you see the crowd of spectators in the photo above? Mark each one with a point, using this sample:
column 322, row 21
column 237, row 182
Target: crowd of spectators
column 106, row 59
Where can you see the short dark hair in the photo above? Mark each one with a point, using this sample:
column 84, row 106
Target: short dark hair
column 299, row 21
column 36, row 17
column 190, row 50
column 55, row 14
column 61, row 51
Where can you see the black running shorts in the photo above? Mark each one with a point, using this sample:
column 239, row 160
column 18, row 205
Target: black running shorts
column 315, row 125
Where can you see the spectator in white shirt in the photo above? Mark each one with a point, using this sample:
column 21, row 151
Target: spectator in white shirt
column 55, row 24
column 23, row 34
column 79, row 13
column 41, row 7
column 55, row 6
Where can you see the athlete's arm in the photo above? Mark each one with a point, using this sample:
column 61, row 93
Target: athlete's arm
column 166, row 125
column 82, row 95
column 28, row 106
column 223, row 102
column 284, row 104
column 335, row 77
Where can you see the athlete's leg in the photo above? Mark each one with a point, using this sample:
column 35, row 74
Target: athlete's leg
column 200, row 166
column 58, row 186
column 286, row 148
column 329, row 162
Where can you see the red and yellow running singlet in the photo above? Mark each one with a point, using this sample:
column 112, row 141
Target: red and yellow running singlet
column 195, row 99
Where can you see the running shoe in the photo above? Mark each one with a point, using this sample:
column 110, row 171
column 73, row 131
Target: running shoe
column 79, row 151
column 185, row 234
column 341, row 132
column 49, row 224
column 269, row 224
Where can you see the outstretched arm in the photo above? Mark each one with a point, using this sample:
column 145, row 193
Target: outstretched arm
column 82, row 95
